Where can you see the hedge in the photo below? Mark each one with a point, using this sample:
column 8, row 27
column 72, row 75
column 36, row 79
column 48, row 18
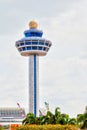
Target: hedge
column 47, row 127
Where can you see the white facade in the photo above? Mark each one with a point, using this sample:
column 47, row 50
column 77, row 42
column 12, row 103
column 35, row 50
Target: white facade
column 12, row 115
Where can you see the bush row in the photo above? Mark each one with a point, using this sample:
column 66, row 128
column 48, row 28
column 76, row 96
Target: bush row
column 47, row 127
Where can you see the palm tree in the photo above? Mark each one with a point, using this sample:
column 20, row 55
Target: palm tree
column 57, row 115
column 40, row 120
column 82, row 119
column 57, row 112
column 63, row 119
column 72, row 121
column 30, row 119
column 49, row 118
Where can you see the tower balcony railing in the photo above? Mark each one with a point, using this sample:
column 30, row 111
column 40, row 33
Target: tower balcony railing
column 28, row 47
column 33, row 42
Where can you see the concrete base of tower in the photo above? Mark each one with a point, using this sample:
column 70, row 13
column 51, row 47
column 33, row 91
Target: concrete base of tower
column 34, row 84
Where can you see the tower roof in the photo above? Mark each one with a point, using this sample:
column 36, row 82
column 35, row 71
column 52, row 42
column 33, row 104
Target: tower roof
column 33, row 24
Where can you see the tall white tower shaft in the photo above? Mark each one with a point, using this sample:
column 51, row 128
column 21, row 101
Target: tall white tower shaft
column 34, row 84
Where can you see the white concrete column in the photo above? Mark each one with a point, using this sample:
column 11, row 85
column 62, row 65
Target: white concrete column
column 34, row 84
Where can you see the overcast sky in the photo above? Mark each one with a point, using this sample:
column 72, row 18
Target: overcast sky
column 63, row 72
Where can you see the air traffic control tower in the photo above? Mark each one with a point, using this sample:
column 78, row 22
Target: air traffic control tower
column 33, row 46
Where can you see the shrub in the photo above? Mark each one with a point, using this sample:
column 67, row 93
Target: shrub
column 47, row 127
column 1, row 128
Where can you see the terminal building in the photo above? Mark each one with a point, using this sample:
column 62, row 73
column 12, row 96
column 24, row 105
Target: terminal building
column 12, row 115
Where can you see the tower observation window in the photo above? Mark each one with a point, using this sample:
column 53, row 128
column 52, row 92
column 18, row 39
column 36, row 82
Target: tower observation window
column 24, row 48
column 44, row 48
column 33, row 34
column 40, row 48
column 22, row 44
column 46, row 44
column 28, row 48
column 28, row 43
column 49, row 45
column 34, row 43
column 41, row 43
column 34, row 47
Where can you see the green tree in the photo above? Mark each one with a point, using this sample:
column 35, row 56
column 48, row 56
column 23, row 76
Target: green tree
column 30, row 119
column 63, row 119
column 50, row 118
column 57, row 112
column 72, row 121
column 82, row 119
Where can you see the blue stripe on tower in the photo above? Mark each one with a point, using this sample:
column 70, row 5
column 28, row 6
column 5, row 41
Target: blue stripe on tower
column 35, row 85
